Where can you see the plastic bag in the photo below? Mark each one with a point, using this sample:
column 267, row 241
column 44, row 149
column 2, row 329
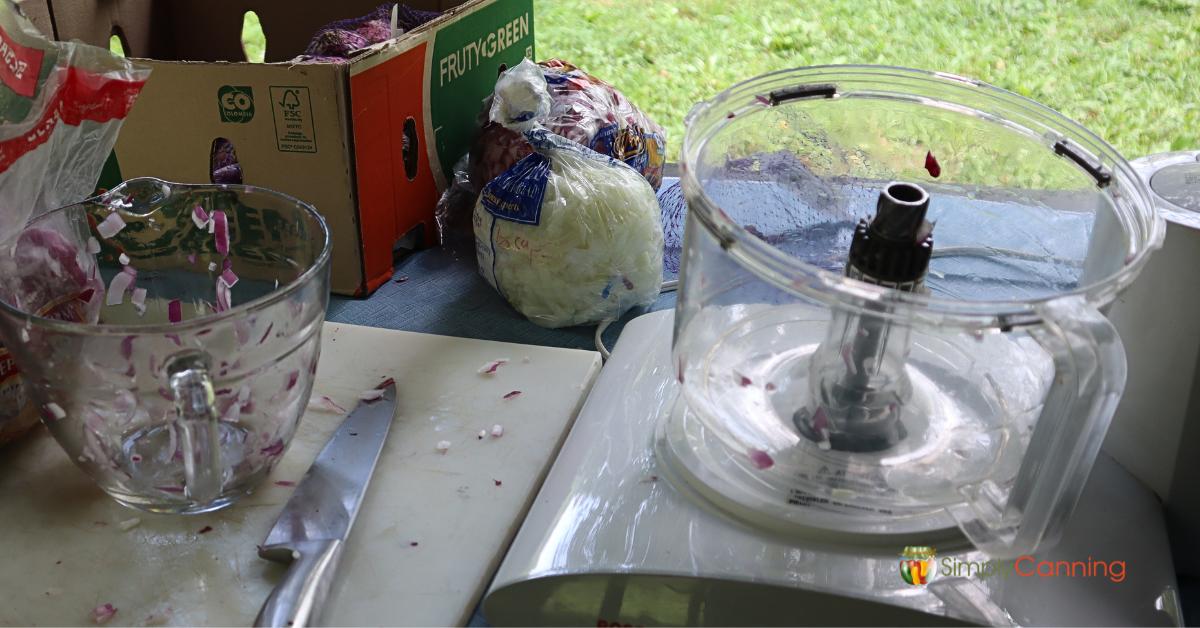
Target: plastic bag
column 583, row 108
column 567, row 235
column 61, row 107
column 587, row 110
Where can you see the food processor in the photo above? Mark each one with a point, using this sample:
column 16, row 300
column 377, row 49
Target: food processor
column 888, row 352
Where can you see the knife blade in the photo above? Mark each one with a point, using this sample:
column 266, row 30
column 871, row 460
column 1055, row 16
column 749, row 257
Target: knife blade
column 314, row 524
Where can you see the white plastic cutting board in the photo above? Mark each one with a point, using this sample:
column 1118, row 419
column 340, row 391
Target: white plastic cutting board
column 431, row 532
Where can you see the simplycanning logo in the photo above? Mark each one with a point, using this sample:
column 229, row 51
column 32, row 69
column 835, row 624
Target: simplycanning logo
column 919, row 565
column 236, row 103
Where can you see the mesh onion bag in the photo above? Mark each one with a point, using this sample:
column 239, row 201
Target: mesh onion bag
column 567, row 235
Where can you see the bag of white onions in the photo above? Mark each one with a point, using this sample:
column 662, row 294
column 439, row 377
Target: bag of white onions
column 567, row 235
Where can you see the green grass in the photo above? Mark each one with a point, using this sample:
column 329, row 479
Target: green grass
column 1127, row 69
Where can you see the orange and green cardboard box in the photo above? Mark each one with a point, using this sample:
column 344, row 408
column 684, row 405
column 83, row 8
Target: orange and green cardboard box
column 369, row 142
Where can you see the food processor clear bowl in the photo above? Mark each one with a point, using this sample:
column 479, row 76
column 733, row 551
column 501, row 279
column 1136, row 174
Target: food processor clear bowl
column 973, row 398
column 176, row 417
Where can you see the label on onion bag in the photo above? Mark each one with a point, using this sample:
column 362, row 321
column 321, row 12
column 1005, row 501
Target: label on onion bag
column 517, row 193
column 20, row 66
column 628, row 144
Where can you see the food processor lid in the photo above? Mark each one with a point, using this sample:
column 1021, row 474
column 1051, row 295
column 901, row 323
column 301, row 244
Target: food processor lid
column 1174, row 180
column 1027, row 205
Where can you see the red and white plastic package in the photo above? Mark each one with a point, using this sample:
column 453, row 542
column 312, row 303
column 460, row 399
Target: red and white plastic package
column 61, row 107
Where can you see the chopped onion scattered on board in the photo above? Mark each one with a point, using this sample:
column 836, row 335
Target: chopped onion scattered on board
column 110, row 226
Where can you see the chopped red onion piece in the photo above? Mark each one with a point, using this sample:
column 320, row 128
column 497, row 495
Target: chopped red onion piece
column 443, row 446
column 129, row 270
column 274, row 449
column 498, row 482
column 56, row 411
column 221, row 233
column 266, row 333
column 242, row 327
column 175, row 339
column 371, row 394
column 761, row 459
column 175, row 310
column 117, row 287
column 127, row 347
column 385, row 383
column 123, row 259
column 232, row 414
column 191, row 258
column 200, row 217
column 226, row 264
column 103, row 613
column 222, row 295
column 284, row 483
column 325, row 404
column 292, row 378
column 743, row 380
column 138, row 299
column 110, row 226
column 491, row 367
column 229, row 277
column 93, row 245
column 497, row 430
column 932, row 165
column 513, row 394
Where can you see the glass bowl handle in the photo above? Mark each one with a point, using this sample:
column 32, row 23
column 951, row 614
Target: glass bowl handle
column 196, row 420
column 1089, row 377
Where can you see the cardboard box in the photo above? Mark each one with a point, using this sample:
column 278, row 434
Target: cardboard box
column 332, row 134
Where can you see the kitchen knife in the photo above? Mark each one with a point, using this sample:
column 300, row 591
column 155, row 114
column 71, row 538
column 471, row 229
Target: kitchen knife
column 314, row 524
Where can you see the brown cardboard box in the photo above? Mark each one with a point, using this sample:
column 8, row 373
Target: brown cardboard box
column 332, row 134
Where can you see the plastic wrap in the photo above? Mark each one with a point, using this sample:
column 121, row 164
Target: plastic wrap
column 587, row 110
column 583, row 108
column 61, row 107
column 567, row 235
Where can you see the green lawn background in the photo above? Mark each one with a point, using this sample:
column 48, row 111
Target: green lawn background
column 1127, row 69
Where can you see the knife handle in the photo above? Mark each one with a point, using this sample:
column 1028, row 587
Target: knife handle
column 297, row 601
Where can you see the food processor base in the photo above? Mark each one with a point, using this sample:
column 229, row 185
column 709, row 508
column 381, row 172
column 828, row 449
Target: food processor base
column 618, row 536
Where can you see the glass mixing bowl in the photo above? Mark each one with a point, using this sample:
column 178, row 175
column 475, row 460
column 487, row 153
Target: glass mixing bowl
column 180, row 394
column 972, row 396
